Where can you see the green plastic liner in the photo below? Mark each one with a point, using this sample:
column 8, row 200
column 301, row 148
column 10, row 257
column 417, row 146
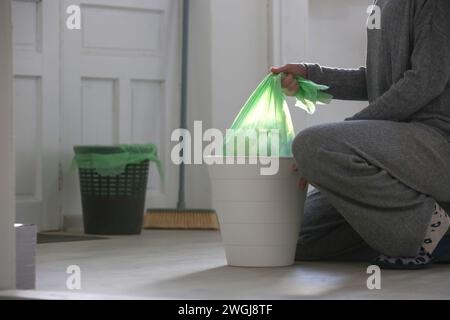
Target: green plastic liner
column 110, row 161
column 311, row 94
column 267, row 110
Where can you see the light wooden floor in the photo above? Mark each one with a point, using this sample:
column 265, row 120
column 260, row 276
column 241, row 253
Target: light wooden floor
column 192, row 265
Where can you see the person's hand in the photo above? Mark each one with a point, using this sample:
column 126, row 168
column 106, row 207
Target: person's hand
column 289, row 84
column 302, row 183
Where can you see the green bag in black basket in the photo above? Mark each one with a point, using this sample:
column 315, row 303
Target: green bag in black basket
column 113, row 184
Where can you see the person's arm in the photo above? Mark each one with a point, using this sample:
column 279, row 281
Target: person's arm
column 345, row 84
column 425, row 81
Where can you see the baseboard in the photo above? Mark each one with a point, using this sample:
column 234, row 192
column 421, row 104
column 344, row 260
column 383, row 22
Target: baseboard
column 73, row 224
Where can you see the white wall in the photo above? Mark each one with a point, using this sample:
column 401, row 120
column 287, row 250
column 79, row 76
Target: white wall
column 198, row 188
column 328, row 32
column 7, row 185
column 228, row 59
column 239, row 55
column 337, row 37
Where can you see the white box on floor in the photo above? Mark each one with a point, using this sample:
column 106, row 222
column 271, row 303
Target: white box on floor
column 25, row 256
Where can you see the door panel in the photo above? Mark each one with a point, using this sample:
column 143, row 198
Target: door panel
column 28, row 111
column 147, row 118
column 98, row 111
column 134, row 29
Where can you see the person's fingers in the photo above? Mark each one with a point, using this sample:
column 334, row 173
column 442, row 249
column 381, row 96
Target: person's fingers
column 288, row 68
column 287, row 81
column 291, row 68
column 293, row 87
column 303, row 184
column 277, row 70
column 294, row 167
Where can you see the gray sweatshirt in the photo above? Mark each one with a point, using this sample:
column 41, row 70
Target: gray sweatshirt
column 407, row 75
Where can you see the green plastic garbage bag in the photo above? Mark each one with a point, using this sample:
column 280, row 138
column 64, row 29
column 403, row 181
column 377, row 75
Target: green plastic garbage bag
column 265, row 111
column 311, row 94
column 110, row 161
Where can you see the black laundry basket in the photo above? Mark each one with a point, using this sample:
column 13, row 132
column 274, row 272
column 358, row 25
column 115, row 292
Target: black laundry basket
column 113, row 204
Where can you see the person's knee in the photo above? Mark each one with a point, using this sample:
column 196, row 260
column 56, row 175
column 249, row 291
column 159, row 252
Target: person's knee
column 305, row 147
column 302, row 147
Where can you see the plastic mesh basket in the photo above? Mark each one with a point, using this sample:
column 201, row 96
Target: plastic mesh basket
column 131, row 183
column 113, row 203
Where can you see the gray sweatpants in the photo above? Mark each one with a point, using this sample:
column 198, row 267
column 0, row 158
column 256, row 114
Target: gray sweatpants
column 377, row 184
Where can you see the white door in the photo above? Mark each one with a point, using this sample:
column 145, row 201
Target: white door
column 36, row 111
column 119, row 85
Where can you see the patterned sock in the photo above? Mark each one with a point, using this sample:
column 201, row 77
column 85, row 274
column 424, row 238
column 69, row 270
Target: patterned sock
column 422, row 260
column 439, row 224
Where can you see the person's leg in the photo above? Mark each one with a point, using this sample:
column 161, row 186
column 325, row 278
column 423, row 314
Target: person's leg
column 326, row 235
column 383, row 177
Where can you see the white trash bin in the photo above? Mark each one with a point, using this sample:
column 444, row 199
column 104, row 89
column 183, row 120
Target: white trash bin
column 259, row 215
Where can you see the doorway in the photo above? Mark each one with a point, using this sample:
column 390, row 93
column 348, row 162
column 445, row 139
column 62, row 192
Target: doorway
column 111, row 81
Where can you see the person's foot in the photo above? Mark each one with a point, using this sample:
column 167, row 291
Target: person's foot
column 421, row 261
column 439, row 224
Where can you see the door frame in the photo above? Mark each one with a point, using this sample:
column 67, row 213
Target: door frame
column 42, row 206
column 7, row 163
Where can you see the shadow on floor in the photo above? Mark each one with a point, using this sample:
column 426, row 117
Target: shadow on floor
column 50, row 237
column 302, row 281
